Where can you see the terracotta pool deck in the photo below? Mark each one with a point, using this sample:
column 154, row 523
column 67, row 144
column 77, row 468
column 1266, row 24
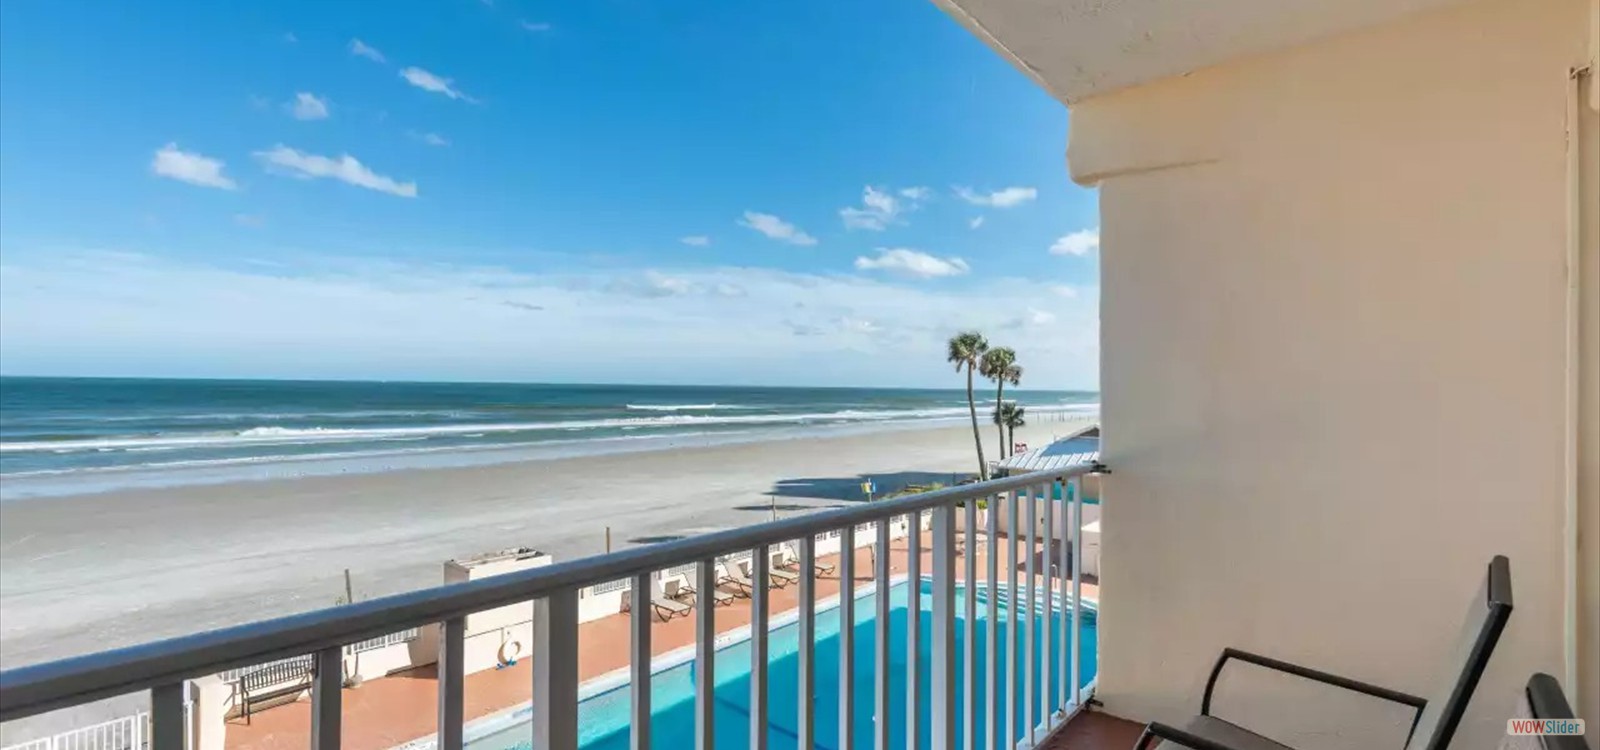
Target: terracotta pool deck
column 401, row 707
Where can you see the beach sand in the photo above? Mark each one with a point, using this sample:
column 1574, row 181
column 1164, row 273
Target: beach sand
column 84, row 573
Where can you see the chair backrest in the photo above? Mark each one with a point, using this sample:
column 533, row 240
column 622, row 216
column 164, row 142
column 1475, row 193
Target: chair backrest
column 1543, row 699
column 1486, row 618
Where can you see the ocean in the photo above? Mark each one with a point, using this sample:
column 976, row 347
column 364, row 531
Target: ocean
column 62, row 435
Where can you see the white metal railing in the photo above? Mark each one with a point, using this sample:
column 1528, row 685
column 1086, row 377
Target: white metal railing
column 125, row 733
column 1050, row 596
column 606, row 587
column 383, row 641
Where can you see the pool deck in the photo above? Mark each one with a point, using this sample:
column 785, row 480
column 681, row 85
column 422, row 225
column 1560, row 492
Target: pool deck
column 401, row 707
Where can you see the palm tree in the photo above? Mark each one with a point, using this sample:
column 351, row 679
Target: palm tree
column 1000, row 365
column 966, row 348
column 1010, row 416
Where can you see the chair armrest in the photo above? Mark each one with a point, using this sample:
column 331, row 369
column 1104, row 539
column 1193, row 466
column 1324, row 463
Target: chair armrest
column 1308, row 673
column 1155, row 730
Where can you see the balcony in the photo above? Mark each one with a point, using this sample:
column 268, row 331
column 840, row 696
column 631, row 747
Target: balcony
column 959, row 638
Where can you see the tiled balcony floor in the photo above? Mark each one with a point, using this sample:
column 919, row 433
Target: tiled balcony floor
column 386, row 712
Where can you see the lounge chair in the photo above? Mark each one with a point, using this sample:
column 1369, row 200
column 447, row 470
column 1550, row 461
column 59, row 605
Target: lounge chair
column 1543, row 699
column 781, row 577
column 718, row 596
column 737, row 582
column 666, row 606
column 1436, row 717
column 820, row 568
column 793, row 565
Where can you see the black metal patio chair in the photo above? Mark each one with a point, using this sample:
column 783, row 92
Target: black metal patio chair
column 1436, row 718
column 1543, row 699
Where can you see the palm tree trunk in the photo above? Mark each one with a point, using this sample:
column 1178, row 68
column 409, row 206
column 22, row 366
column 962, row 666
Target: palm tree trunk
column 1000, row 422
column 977, row 439
column 1012, row 438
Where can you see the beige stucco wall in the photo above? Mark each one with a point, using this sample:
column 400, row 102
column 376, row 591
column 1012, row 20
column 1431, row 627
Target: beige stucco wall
column 1589, row 392
column 1333, row 365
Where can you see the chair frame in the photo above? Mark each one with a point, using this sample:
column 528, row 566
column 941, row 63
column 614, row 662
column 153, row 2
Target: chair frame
column 1498, row 601
column 1547, row 701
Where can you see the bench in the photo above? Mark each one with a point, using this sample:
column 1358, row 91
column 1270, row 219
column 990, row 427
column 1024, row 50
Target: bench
column 274, row 683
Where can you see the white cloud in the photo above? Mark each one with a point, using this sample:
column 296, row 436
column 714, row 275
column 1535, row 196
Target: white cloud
column 290, row 38
column 317, row 314
column 696, row 240
column 361, row 49
column 1064, row 291
column 432, row 139
column 190, row 167
column 534, row 26
column 776, row 228
column 308, row 106
column 977, row 221
column 426, row 81
column 1081, row 242
column 1031, row 318
column 1003, row 198
column 912, row 263
column 880, row 208
column 254, row 221
column 344, row 168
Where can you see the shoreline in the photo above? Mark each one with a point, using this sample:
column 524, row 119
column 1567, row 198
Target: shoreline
column 84, row 573
column 68, row 482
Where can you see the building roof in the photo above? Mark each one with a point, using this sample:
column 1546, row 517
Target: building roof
column 1080, row 447
column 1077, row 49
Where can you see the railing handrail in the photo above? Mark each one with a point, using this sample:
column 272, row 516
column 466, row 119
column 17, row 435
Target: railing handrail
column 34, row 689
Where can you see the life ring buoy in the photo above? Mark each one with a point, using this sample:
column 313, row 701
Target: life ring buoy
column 509, row 651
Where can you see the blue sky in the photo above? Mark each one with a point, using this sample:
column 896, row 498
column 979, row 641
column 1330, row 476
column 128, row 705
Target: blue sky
column 617, row 191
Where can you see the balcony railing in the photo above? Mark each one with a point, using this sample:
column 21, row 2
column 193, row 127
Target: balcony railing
column 1048, row 596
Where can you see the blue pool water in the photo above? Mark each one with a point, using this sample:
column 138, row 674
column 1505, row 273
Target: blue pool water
column 604, row 723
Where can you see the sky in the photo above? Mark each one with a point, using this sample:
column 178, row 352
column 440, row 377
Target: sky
column 521, row 190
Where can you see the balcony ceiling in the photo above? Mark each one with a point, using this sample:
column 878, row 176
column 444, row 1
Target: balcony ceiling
column 1080, row 48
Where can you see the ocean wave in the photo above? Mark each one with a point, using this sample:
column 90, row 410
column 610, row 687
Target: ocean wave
column 207, row 463
column 277, row 435
column 280, row 436
column 157, row 416
column 685, row 407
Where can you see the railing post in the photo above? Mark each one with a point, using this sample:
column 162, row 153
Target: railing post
column 705, row 655
column 760, row 561
column 328, row 680
column 969, row 645
column 943, row 693
column 452, row 644
column 806, row 652
column 1030, row 683
column 913, row 630
column 555, row 671
column 991, row 638
column 639, row 661
column 166, row 717
column 1063, row 673
column 847, row 636
column 1075, row 486
column 1014, row 602
column 881, row 660
column 1046, row 558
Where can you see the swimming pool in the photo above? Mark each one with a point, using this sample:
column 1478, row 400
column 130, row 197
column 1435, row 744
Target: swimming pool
column 603, row 719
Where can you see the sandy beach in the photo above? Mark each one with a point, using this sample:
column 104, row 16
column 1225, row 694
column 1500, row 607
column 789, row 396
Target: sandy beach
column 89, row 572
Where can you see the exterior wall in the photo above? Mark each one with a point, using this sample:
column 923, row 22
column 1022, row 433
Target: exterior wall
column 1588, row 702
column 490, row 630
column 1333, row 371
